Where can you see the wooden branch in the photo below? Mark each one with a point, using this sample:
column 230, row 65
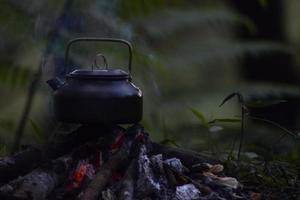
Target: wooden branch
column 39, row 183
column 116, row 161
column 32, row 157
column 188, row 157
column 19, row 164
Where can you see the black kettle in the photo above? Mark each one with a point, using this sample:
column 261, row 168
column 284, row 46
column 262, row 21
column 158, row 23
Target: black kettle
column 103, row 96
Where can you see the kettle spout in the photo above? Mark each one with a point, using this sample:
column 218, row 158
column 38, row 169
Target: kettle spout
column 55, row 83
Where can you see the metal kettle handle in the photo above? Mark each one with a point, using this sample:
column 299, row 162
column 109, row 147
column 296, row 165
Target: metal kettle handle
column 95, row 39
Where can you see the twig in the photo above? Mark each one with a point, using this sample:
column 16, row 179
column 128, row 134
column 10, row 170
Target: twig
column 242, row 128
column 188, row 157
column 37, row 76
column 287, row 132
column 31, row 92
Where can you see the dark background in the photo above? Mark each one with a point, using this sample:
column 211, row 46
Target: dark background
column 189, row 55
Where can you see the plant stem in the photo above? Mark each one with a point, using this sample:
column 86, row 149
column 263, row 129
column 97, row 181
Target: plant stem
column 242, row 131
column 28, row 104
column 288, row 132
column 37, row 77
column 230, row 155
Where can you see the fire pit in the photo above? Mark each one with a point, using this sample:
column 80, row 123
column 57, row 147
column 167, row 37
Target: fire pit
column 124, row 164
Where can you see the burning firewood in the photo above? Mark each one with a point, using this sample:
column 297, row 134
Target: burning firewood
column 125, row 165
column 102, row 177
column 39, row 183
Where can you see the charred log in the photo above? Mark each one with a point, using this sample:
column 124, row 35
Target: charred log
column 103, row 176
column 26, row 160
column 18, row 164
column 41, row 182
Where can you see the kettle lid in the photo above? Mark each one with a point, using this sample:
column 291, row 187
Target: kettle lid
column 99, row 74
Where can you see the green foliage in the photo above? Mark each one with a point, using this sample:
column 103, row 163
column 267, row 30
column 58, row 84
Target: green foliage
column 226, row 120
column 245, row 106
column 38, row 133
column 200, row 116
column 207, row 124
column 144, row 58
column 133, row 9
column 230, row 96
column 130, row 9
column 169, row 142
column 211, row 127
column 13, row 20
column 14, row 77
column 178, row 30
column 145, row 123
column 55, row 3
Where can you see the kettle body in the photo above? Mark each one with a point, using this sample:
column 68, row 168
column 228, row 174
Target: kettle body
column 97, row 96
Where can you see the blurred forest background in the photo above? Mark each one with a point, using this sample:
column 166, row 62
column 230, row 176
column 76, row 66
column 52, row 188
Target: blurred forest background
column 188, row 56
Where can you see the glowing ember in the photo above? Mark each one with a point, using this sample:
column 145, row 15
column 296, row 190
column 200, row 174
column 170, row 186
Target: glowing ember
column 117, row 144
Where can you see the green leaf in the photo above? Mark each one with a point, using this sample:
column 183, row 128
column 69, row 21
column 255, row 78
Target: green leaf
column 200, row 116
column 40, row 136
column 225, row 120
column 237, row 94
column 262, row 103
column 228, row 98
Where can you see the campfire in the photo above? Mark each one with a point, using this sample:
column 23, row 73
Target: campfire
column 103, row 161
column 120, row 164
